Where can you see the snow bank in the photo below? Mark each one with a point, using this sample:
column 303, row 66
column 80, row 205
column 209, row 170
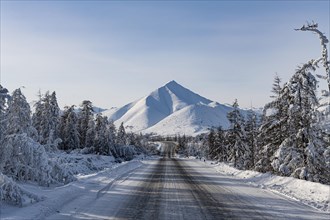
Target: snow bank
column 54, row 198
column 316, row 195
column 14, row 194
column 77, row 163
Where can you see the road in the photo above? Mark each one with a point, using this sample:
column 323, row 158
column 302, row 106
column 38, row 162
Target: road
column 174, row 188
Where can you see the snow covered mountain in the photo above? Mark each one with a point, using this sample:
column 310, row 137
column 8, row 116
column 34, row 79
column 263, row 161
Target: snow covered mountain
column 171, row 109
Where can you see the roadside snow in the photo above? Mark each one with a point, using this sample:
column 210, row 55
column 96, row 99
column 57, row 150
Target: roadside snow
column 89, row 180
column 316, row 195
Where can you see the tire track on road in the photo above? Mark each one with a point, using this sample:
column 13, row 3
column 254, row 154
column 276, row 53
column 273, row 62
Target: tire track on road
column 145, row 202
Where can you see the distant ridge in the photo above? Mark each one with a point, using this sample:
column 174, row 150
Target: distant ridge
column 171, row 109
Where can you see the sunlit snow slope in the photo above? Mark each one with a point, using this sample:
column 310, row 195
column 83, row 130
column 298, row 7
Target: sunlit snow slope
column 171, row 109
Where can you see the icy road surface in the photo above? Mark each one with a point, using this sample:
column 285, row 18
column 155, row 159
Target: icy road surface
column 173, row 188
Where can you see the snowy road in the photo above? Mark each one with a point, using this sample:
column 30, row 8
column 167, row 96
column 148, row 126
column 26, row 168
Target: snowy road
column 173, row 188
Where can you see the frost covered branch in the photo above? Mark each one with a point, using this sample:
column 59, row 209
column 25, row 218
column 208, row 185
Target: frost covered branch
column 313, row 27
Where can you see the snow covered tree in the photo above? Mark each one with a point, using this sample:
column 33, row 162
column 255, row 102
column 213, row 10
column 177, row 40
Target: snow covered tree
column 240, row 153
column 140, row 142
column 85, row 115
column 121, row 135
column 4, row 97
column 24, row 159
column 90, row 137
column 302, row 152
column 251, row 130
column 274, row 127
column 21, row 157
column 101, row 142
column 46, row 118
column 212, row 145
column 216, row 144
column 313, row 27
column 132, row 139
column 221, row 143
column 182, row 143
column 68, row 129
column 37, row 116
column 18, row 116
column 293, row 143
column 54, row 114
column 112, row 138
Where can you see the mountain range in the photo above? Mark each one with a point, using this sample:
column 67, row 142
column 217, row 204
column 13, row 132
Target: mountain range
column 169, row 110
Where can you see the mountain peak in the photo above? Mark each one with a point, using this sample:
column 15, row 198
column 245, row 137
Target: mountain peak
column 172, row 83
column 171, row 107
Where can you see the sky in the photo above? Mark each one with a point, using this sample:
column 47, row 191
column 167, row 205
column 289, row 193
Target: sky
column 115, row 52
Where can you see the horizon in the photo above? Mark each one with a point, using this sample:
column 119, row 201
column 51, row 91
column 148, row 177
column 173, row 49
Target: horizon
column 113, row 53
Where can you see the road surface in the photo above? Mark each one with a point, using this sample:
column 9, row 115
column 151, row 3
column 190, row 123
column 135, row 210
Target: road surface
column 173, row 188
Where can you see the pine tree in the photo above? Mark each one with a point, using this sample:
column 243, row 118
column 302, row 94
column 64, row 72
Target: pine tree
column 85, row 115
column 90, row 136
column 37, row 116
column 4, row 97
column 68, row 129
column 274, row 127
column 211, row 144
column 217, row 147
column 324, row 41
column 46, row 118
column 239, row 154
column 121, row 135
column 251, row 134
column 182, row 143
column 54, row 115
column 302, row 152
column 19, row 116
column 112, row 139
column 101, row 135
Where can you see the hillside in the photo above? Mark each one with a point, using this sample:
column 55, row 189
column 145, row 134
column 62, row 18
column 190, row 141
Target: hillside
column 171, row 109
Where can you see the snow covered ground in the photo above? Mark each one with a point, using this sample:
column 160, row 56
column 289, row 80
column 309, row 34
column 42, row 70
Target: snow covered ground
column 316, row 195
column 93, row 173
column 89, row 186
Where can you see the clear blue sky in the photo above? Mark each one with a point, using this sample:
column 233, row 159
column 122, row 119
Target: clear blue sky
column 113, row 52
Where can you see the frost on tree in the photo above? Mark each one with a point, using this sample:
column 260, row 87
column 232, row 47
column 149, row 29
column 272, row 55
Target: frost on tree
column 216, row 143
column 21, row 157
column 313, row 27
column 101, row 142
column 121, row 135
column 324, row 59
column 240, row 153
column 112, row 138
column 18, row 116
column 302, row 153
column 212, row 145
column 274, row 127
column 90, row 137
column 24, row 159
column 251, row 134
column 4, row 96
column 85, row 115
column 68, row 129
column 123, row 150
column 46, row 120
